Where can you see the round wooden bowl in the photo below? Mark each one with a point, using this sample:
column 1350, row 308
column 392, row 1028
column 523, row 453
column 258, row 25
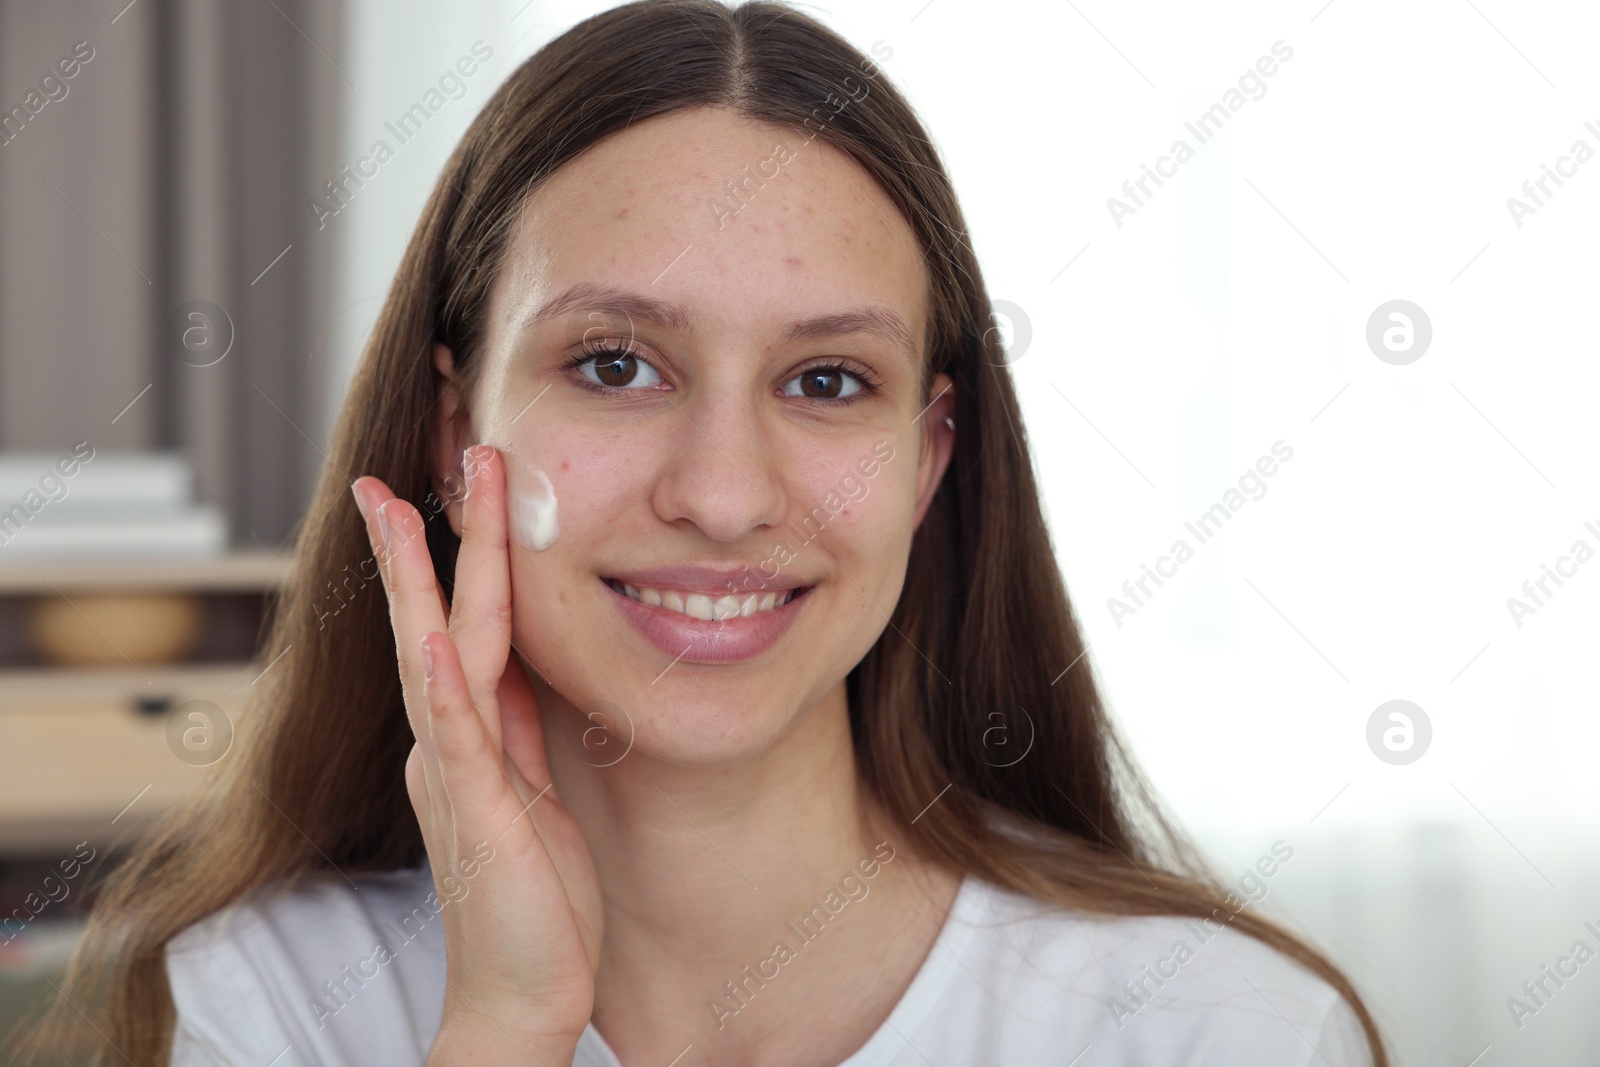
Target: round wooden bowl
column 114, row 629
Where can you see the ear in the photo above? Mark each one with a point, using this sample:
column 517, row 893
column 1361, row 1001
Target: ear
column 450, row 434
column 938, row 440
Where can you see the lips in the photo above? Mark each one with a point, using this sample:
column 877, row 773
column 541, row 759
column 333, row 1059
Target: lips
column 728, row 636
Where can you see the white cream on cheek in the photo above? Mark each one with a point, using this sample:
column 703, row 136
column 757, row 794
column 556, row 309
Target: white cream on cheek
column 533, row 510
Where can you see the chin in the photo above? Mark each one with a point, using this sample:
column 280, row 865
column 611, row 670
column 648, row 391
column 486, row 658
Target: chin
column 689, row 724
column 696, row 733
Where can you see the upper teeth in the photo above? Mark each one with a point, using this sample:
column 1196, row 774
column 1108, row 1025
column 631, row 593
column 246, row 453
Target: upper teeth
column 700, row 606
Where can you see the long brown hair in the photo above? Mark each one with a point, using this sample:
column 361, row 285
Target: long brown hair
column 982, row 627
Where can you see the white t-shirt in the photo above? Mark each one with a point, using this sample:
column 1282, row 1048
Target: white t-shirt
column 325, row 976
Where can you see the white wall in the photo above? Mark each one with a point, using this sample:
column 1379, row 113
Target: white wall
column 1226, row 314
column 393, row 54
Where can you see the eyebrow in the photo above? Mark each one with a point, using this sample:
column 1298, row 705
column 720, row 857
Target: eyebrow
column 874, row 319
column 587, row 296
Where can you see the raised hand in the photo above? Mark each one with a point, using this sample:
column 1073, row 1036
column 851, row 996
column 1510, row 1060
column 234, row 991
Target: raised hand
column 523, row 944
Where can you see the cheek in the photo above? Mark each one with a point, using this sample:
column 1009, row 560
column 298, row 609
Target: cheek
column 857, row 505
column 562, row 493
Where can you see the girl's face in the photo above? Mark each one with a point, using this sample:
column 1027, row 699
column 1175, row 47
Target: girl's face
column 702, row 366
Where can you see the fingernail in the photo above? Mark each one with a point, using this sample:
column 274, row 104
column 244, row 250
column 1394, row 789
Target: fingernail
column 361, row 502
column 427, row 661
column 383, row 524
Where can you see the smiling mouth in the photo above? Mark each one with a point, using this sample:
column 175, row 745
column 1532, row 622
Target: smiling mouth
column 704, row 607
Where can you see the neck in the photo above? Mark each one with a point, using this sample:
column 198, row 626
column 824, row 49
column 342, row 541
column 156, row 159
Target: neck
column 706, row 871
column 697, row 859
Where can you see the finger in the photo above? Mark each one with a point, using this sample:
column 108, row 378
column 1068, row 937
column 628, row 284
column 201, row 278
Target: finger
column 481, row 802
column 371, row 494
column 521, row 732
column 525, row 747
column 414, row 602
column 423, row 787
column 480, row 619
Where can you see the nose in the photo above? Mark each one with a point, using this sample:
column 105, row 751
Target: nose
column 723, row 471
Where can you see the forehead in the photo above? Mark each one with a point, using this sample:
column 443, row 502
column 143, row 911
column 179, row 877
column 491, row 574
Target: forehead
column 744, row 225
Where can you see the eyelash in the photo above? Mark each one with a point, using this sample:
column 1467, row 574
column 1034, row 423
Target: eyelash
column 591, row 352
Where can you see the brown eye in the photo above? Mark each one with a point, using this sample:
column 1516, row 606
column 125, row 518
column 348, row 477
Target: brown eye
column 615, row 370
column 824, row 383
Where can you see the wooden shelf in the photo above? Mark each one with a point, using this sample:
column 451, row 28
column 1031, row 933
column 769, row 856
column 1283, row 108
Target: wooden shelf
column 95, row 753
column 230, row 572
column 25, row 688
column 84, row 763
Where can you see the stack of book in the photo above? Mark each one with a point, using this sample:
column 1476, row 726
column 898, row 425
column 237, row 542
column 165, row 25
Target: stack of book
column 78, row 504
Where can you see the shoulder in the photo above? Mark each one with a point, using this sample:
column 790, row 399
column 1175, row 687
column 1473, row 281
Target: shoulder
column 1160, row 989
column 328, row 969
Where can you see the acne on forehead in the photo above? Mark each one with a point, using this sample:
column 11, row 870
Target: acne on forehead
column 602, row 217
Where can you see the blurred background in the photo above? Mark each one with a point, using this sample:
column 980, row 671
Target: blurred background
column 1369, row 269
